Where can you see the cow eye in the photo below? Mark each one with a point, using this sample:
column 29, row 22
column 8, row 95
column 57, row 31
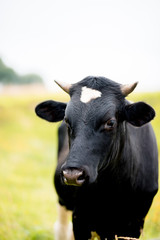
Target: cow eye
column 110, row 124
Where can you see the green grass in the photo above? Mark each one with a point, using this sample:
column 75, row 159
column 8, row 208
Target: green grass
column 28, row 148
column 27, row 159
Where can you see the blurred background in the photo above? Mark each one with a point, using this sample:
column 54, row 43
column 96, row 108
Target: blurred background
column 43, row 40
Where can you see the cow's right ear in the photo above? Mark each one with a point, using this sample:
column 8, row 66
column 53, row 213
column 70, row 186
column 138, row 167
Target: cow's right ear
column 51, row 111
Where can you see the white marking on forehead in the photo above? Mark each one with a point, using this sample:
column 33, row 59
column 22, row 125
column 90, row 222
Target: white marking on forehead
column 89, row 94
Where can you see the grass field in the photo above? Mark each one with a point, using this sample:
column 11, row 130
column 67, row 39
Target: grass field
column 28, row 148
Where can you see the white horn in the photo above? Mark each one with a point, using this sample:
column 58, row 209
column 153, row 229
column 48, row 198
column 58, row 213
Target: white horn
column 65, row 86
column 128, row 88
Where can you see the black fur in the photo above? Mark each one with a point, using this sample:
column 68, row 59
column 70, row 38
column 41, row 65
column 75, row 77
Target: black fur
column 51, row 111
column 119, row 160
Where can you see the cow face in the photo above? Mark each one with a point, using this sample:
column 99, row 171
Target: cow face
column 95, row 118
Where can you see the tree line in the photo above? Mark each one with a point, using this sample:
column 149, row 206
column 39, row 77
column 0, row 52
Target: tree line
column 9, row 76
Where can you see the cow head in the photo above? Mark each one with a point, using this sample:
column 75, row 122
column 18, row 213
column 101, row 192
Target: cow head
column 96, row 118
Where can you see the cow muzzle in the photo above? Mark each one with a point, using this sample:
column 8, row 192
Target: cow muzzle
column 74, row 176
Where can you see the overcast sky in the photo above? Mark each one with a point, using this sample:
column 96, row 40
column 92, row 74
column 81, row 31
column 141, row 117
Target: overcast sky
column 68, row 40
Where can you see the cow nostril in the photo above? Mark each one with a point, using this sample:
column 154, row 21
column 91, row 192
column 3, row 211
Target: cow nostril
column 73, row 176
column 81, row 179
column 65, row 180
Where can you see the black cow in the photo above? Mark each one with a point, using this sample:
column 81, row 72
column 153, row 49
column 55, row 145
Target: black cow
column 109, row 174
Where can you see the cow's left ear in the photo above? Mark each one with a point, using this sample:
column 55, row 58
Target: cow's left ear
column 51, row 111
column 138, row 113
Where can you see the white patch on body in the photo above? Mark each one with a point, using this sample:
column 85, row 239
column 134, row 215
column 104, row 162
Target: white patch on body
column 89, row 94
column 63, row 229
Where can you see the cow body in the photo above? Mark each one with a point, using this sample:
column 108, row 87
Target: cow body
column 117, row 203
column 107, row 171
